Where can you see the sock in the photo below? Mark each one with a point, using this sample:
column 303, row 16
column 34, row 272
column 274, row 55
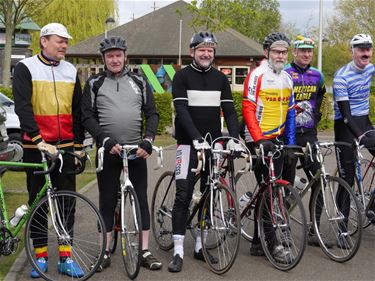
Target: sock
column 41, row 252
column 198, row 240
column 178, row 241
column 64, row 252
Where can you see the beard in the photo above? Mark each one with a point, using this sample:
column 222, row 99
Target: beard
column 277, row 66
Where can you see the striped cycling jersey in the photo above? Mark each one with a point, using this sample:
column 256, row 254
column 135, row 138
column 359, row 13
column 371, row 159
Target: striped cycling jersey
column 353, row 85
column 268, row 104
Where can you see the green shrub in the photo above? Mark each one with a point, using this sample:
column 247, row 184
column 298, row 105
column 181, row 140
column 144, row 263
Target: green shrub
column 7, row 91
column 164, row 106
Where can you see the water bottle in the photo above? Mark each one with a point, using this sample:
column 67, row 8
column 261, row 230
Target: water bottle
column 244, row 199
column 300, row 183
column 18, row 214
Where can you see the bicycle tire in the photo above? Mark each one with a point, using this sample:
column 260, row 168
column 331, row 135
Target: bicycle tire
column 245, row 182
column 131, row 234
column 161, row 210
column 281, row 229
column 115, row 230
column 221, row 229
column 332, row 221
column 87, row 240
column 368, row 183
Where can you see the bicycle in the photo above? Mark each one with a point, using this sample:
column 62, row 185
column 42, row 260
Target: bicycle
column 220, row 230
column 333, row 219
column 127, row 217
column 63, row 218
column 279, row 227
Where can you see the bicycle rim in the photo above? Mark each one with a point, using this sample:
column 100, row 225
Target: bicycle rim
column 131, row 233
column 219, row 226
column 82, row 235
column 161, row 210
column 246, row 182
column 283, row 232
column 368, row 183
column 339, row 227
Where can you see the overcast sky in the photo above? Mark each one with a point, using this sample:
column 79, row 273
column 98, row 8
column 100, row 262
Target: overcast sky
column 303, row 13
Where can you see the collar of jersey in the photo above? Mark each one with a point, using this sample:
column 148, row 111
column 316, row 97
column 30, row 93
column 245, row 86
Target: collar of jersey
column 47, row 60
column 197, row 68
column 300, row 69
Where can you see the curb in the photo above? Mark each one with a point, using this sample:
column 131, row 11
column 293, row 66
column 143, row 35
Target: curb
column 21, row 260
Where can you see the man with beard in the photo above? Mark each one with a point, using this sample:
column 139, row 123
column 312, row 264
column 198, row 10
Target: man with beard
column 269, row 114
column 351, row 92
column 199, row 93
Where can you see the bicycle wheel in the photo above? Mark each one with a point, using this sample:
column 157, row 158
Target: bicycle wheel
column 283, row 231
column 74, row 231
column 115, row 230
column 131, row 233
column 220, row 224
column 161, row 210
column 339, row 227
column 245, row 182
column 368, row 183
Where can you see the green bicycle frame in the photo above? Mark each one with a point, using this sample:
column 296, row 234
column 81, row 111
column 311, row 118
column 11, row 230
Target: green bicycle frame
column 40, row 195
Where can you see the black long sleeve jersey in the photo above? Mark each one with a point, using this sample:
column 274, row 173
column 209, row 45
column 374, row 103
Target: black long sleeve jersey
column 198, row 97
column 114, row 107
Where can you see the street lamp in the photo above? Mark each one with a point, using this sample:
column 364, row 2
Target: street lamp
column 108, row 24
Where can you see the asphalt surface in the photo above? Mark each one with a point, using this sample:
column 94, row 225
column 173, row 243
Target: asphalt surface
column 315, row 265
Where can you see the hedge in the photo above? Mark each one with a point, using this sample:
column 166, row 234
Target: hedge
column 164, row 105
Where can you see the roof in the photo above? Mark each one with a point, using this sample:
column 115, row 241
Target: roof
column 26, row 24
column 157, row 34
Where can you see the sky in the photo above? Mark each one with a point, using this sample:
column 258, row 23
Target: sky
column 302, row 13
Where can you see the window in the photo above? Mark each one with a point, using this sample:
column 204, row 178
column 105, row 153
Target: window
column 169, row 61
column 154, row 61
column 241, row 73
column 135, row 61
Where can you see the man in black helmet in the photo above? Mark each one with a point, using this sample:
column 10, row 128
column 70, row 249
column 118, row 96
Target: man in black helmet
column 112, row 108
column 199, row 93
column 269, row 115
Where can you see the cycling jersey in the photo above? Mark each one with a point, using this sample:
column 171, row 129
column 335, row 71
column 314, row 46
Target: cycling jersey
column 309, row 91
column 268, row 104
column 198, row 96
column 353, row 84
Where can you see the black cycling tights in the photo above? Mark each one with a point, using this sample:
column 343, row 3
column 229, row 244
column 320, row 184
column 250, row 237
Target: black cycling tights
column 109, row 184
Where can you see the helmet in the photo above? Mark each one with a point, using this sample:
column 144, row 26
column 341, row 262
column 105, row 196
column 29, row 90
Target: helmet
column 302, row 42
column 274, row 37
column 203, row 38
column 361, row 41
column 112, row 43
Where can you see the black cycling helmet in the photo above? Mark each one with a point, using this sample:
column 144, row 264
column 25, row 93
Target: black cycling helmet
column 274, row 37
column 112, row 43
column 203, row 38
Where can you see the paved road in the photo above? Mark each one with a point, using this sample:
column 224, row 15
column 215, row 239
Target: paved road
column 314, row 265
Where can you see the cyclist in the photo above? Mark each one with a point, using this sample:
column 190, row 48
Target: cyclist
column 351, row 93
column 47, row 95
column 269, row 114
column 199, row 92
column 112, row 108
column 309, row 92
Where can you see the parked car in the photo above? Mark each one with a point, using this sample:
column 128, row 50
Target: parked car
column 12, row 123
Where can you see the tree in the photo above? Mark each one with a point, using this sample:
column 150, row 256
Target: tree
column 13, row 13
column 351, row 17
column 83, row 19
column 253, row 18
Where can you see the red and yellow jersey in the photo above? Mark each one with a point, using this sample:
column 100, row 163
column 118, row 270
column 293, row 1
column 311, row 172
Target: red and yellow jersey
column 268, row 104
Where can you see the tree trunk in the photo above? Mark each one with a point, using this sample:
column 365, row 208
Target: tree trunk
column 9, row 29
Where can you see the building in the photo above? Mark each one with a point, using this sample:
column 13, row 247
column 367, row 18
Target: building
column 21, row 44
column 154, row 40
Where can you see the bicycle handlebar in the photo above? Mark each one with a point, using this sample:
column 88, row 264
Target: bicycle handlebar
column 127, row 148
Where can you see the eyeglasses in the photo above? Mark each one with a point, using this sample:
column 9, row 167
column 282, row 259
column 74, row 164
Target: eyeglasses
column 278, row 52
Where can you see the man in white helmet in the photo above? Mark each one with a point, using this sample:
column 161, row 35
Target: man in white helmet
column 47, row 95
column 351, row 92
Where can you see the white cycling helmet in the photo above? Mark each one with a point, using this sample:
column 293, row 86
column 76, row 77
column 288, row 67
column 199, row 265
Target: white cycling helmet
column 361, row 40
